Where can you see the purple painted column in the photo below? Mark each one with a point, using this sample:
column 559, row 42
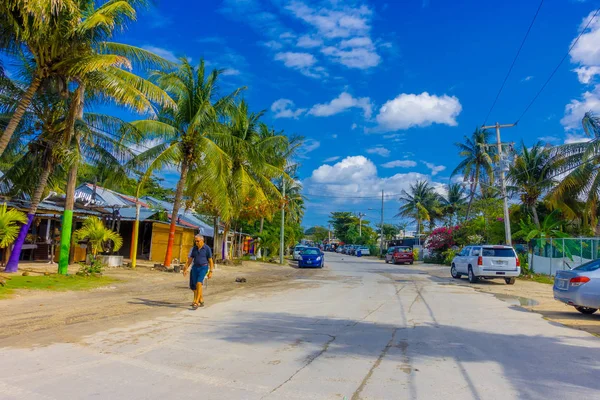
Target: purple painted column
column 13, row 261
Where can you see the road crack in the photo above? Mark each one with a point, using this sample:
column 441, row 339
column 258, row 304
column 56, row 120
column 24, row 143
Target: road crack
column 309, row 361
column 388, row 346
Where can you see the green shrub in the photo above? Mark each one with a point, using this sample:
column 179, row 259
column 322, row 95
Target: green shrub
column 449, row 256
column 435, row 258
column 95, row 267
column 524, row 260
column 415, row 253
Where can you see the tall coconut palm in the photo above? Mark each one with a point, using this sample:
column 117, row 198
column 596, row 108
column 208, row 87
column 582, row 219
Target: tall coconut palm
column 41, row 29
column 187, row 134
column 477, row 161
column 580, row 175
column 420, row 202
column 454, row 199
column 531, row 175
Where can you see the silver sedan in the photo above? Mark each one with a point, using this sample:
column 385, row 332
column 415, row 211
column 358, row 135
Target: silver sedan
column 579, row 287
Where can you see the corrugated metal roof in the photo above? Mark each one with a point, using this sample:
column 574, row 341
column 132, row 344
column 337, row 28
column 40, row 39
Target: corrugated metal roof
column 129, row 213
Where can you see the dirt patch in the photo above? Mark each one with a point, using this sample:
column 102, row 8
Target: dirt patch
column 528, row 295
column 37, row 317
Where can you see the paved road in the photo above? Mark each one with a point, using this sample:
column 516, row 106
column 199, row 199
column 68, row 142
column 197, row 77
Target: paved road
column 360, row 329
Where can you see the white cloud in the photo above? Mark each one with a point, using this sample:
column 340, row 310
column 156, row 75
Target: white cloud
column 284, row 108
column 161, row 52
column 343, row 102
column 586, row 55
column 400, row 163
column 548, row 138
column 231, row 72
column 380, row 150
column 303, row 62
column 309, row 42
column 587, row 49
column 334, row 136
column 575, row 110
column 435, row 169
column 343, row 22
column 332, row 159
column 573, row 138
column 356, row 57
column 410, row 110
column 587, row 74
column 527, row 78
column 309, row 145
column 273, row 45
column 356, row 176
column 354, row 126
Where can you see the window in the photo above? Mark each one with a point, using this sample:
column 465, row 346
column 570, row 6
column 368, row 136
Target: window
column 311, row 252
column 476, row 251
column 465, row 252
column 589, row 266
column 498, row 252
column 404, row 249
column 391, row 250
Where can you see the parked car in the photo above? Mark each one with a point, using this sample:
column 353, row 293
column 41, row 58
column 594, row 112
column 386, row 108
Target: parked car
column 486, row 261
column 296, row 253
column 352, row 250
column 311, row 257
column 364, row 251
column 579, row 287
column 399, row 255
column 340, row 249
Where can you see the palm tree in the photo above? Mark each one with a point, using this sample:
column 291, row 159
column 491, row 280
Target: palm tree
column 40, row 29
column 531, row 175
column 188, row 134
column 454, row 199
column 579, row 162
column 421, row 202
column 477, row 161
column 100, row 237
column 9, row 225
column 550, row 228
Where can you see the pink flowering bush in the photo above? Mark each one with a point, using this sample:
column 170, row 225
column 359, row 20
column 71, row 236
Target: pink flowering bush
column 441, row 239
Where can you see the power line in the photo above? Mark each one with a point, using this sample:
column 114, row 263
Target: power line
column 557, row 67
column 513, row 62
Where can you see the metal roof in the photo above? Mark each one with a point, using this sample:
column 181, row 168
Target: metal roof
column 129, row 213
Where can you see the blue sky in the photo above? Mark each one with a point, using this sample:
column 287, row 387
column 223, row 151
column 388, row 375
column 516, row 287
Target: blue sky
column 382, row 90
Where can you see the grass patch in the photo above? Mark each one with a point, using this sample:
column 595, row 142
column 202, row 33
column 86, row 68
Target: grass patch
column 539, row 278
column 56, row 283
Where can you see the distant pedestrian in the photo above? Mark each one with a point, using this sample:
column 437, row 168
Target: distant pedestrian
column 201, row 261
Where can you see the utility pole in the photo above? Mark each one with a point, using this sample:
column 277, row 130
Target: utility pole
column 281, row 235
column 501, row 164
column 360, row 217
column 329, row 233
column 381, row 229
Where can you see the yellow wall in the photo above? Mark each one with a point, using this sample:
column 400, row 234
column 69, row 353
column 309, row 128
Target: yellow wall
column 184, row 240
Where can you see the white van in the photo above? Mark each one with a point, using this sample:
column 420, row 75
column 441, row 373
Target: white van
column 486, row 261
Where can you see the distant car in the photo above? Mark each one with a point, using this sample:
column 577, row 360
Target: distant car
column 486, row 261
column 296, row 252
column 399, row 255
column 311, row 257
column 579, row 287
column 364, row 251
column 354, row 249
column 340, row 249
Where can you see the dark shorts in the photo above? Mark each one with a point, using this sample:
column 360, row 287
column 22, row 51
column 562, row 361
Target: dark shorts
column 197, row 275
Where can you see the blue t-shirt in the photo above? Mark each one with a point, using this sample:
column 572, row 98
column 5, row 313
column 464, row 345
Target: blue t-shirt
column 200, row 255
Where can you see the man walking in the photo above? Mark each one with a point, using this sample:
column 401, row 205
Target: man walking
column 200, row 258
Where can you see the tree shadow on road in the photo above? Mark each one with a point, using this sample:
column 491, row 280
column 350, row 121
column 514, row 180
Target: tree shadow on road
column 535, row 366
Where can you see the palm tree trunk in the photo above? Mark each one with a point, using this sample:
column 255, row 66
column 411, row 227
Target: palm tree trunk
column 19, row 112
column 215, row 237
column 67, row 221
column 536, row 218
column 473, row 190
column 136, row 229
column 225, row 233
column 75, row 113
column 262, row 224
column 13, row 261
column 174, row 214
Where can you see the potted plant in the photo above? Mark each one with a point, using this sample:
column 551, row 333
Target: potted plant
column 100, row 239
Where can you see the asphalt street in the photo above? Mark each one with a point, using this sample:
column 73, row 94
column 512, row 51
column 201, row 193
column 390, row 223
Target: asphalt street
column 358, row 329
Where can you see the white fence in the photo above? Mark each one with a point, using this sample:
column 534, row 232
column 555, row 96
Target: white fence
column 551, row 255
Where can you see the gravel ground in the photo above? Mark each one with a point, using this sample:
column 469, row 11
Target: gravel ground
column 40, row 317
